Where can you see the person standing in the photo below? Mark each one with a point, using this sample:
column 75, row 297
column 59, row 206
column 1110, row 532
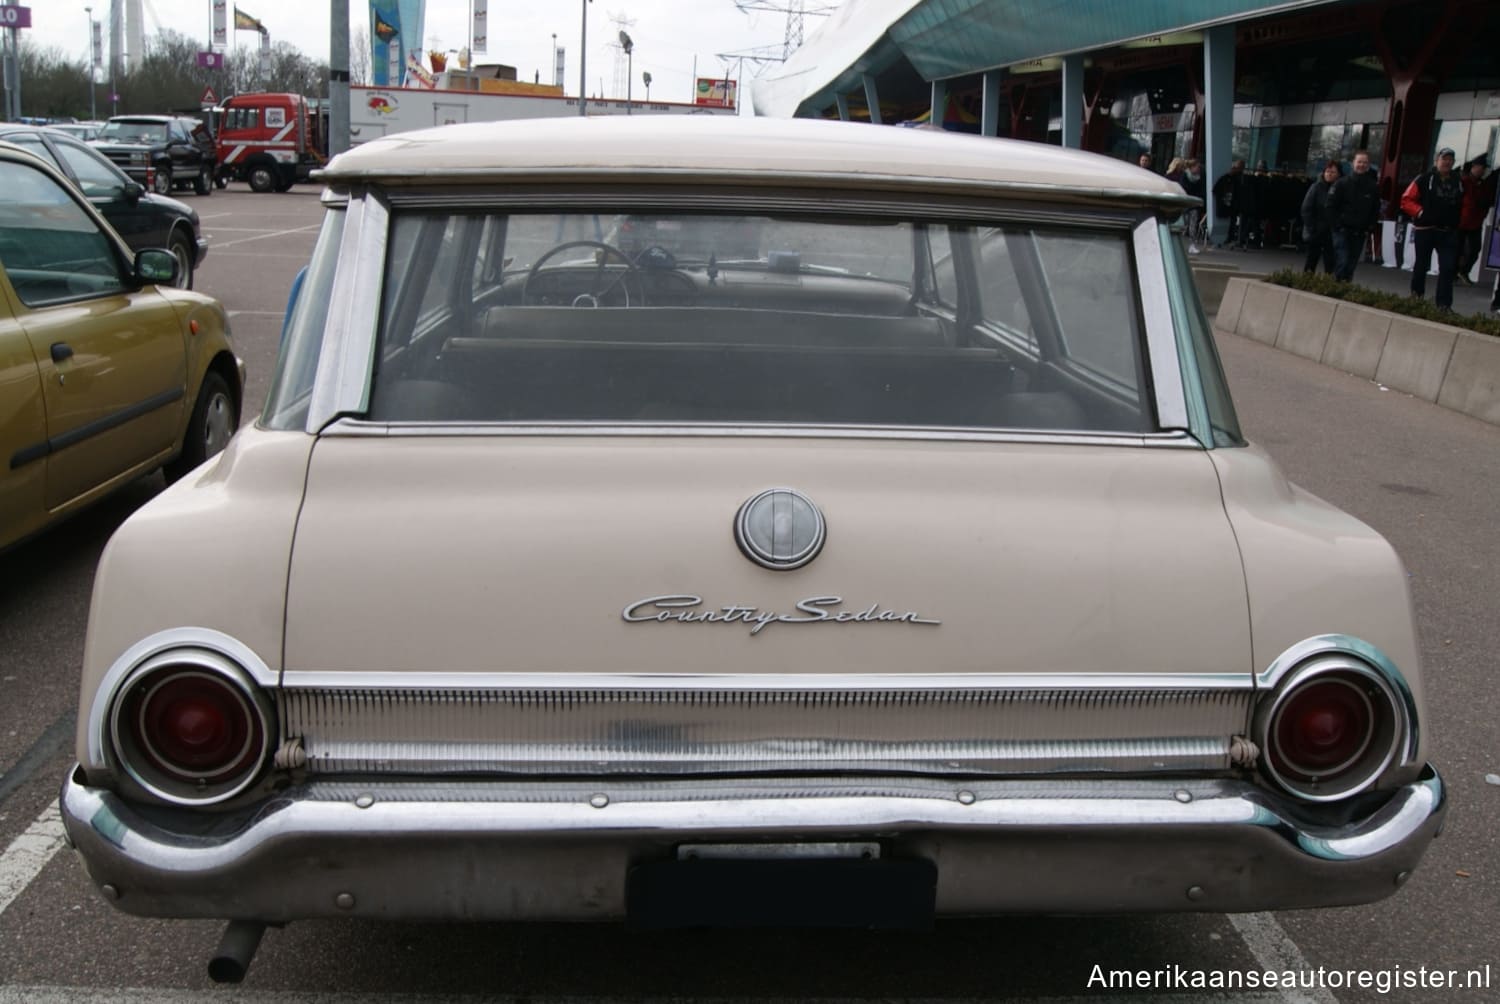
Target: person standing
column 1317, row 230
column 1433, row 201
column 1186, row 174
column 1230, row 195
column 1353, row 208
column 1479, row 195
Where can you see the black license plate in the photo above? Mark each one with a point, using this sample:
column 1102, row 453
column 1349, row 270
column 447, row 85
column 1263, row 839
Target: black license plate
column 875, row 894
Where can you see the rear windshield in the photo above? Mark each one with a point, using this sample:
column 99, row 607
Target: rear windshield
column 134, row 132
column 680, row 318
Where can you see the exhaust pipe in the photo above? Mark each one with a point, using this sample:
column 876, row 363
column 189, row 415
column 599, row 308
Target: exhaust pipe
column 236, row 949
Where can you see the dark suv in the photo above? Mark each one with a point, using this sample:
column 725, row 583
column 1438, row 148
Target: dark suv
column 160, row 151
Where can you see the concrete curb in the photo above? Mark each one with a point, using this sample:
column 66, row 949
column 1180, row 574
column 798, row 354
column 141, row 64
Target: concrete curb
column 1448, row 366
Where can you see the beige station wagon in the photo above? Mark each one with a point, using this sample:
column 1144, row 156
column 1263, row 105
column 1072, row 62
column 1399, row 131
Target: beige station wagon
column 912, row 565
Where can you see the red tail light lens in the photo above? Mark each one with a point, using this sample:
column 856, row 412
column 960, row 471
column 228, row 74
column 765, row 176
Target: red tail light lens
column 191, row 734
column 1323, row 728
column 196, row 725
column 1330, row 730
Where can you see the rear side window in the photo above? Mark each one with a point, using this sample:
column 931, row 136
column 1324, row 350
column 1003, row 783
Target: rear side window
column 52, row 250
column 743, row 320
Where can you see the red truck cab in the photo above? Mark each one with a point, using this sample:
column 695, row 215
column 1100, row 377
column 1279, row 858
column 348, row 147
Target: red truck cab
column 272, row 141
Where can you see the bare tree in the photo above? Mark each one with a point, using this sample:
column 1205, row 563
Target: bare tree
column 53, row 87
column 359, row 55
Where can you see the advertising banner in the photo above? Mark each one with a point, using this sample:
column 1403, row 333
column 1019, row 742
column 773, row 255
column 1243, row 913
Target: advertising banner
column 221, row 22
column 481, row 26
column 716, row 92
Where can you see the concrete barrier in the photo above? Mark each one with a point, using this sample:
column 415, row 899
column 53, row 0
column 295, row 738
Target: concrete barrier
column 1449, row 366
column 1212, row 280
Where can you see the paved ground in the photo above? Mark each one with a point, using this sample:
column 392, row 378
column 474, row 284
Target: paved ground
column 1466, row 299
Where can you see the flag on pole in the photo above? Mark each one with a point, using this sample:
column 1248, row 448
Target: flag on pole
column 247, row 22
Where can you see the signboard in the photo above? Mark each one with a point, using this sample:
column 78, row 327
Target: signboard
column 211, row 60
column 209, row 97
column 716, row 92
column 15, row 17
column 220, row 22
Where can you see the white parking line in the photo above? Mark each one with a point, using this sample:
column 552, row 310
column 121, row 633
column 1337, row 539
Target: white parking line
column 29, row 853
column 1275, row 950
column 265, row 236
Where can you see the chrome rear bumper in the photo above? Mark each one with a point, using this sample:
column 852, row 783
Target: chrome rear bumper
column 561, row 851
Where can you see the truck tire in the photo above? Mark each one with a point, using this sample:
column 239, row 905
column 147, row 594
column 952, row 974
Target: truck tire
column 163, row 181
column 221, row 180
column 203, row 184
column 262, row 177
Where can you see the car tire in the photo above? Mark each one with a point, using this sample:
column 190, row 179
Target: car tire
column 262, row 178
column 182, row 249
column 221, row 181
column 214, row 420
column 203, row 184
column 163, row 181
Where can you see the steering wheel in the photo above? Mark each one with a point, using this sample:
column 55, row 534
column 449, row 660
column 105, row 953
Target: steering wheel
column 592, row 296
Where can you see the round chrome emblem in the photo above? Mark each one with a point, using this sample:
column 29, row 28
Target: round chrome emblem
column 780, row 528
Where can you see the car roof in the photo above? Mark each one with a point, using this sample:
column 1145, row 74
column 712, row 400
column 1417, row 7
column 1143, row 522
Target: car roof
column 746, row 151
column 157, row 119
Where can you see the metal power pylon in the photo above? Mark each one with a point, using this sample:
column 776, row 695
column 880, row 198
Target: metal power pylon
column 796, row 12
column 621, row 82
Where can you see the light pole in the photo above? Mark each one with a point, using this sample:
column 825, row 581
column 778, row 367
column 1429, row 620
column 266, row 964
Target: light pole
column 88, row 13
column 555, row 81
column 646, row 79
column 629, row 47
column 583, row 61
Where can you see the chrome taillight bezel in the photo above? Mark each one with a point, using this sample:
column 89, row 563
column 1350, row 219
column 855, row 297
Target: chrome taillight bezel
column 130, row 755
column 1390, row 729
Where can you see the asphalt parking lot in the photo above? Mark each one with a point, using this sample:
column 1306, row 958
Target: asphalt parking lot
column 1425, row 477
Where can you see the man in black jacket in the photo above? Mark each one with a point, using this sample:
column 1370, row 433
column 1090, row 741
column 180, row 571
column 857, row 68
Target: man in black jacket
column 1432, row 201
column 1353, row 209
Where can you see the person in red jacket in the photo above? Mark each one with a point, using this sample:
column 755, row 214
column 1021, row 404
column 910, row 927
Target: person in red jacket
column 1479, row 195
column 1432, row 201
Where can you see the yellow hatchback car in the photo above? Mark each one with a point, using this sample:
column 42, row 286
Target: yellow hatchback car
column 106, row 372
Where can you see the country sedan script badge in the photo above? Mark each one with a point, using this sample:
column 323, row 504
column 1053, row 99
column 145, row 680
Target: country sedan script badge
column 686, row 609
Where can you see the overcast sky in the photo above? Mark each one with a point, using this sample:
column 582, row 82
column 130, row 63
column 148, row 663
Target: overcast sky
column 668, row 34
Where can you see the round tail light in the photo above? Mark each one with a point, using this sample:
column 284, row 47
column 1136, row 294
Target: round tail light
column 1330, row 730
column 191, row 733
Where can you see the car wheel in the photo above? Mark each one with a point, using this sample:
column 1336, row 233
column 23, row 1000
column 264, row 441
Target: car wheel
column 262, row 178
column 163, row 181
column 203, row 184
column 215, row 419
column 182, row 249
column 221, row 181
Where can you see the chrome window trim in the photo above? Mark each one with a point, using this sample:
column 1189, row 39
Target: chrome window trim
column 897, row 185
column 358, row 428
column 1166, row 682
column 1161, row 331
column 344, row 365
column 1273, row 675
column 183, row 639
column 720, row 201
column 1194, row 398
